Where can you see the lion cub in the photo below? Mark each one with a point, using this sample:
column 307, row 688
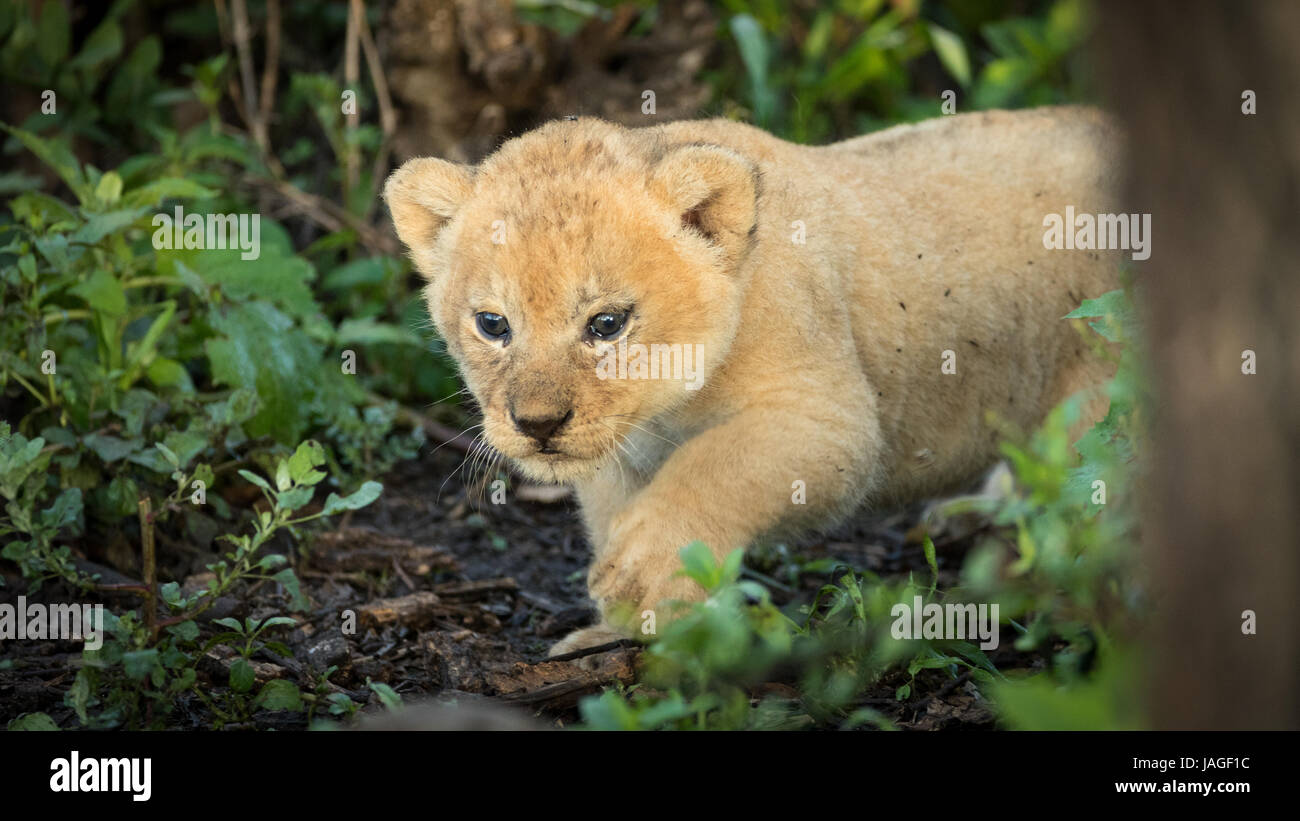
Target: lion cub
column 714, row 334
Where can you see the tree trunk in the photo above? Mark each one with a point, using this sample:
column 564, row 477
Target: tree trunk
column 1223, row 189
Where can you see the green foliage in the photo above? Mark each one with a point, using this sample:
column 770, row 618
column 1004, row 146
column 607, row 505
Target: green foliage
column 134, row 678
column 817, row 72
column 699, row 672
column 132, row 368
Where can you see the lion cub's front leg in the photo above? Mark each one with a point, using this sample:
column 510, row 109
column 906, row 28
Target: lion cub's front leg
column 724, row 487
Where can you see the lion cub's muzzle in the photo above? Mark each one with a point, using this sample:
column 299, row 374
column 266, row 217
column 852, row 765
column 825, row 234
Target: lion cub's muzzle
column 541, row 427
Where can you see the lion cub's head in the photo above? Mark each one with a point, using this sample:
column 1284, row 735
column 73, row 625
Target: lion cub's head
column 586, row 278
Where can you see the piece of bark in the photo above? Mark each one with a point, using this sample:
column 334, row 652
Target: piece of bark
column 559, row 685
column 415, row 610
column 216, row 663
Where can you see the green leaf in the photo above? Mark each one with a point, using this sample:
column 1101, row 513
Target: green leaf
column 33, row 722
column 932, row 561
column 168, row 373
column 277, row 275
column 139, row 663
column 297, row 601
column 65, row 510
column 103, row 293
column 109, row 189
column 271, row 561
column 53, row 33
column 387, row 695
column 242, row 677
column 359, row 272
column 369, row 331
column 282, row 479
column 167, row 188
column 294, row 499
column 143, row 352
column 951, row 52
column 104, row 43
column 340, row 704
column 110, row 448
column 54, row 153
column 169, row 455
column 279, row 694
column 170, row 593
column 284, row 376
column 186, row 445
column 233, row 624
column 364, row 495
column 1117, row 318
column 731, row 565
column 255, row 479
column 185, row 631
column 698, row 563
column 308, row 456
column 755, row 53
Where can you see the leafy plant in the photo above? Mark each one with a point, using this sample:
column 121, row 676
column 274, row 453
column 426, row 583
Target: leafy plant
column 817, row 72
column 138, row 671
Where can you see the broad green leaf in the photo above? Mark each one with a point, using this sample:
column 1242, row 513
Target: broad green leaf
column 110, row 448
column 242, row 677
column 101, row 225
column 364, row 495
column 698, row 563
column 387, row 695
column 294, row 499
column 33, row 722
column 103, row 293
column 284, row 376
column 951, row 52
column 139, row 663
column 55, row 153
column 279, row 694
column 109, row 189
column 306, row 458
column 233, row 624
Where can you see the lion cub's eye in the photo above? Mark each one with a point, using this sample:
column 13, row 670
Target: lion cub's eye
column 493, row 326
column 607, row 325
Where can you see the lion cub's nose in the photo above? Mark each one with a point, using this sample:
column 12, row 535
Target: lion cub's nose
column 540, row 428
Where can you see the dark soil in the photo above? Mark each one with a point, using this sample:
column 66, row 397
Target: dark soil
column 507, row 582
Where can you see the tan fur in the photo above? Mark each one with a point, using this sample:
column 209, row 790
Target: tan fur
column 821, row 360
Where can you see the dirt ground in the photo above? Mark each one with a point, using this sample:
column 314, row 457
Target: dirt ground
column 460, row 600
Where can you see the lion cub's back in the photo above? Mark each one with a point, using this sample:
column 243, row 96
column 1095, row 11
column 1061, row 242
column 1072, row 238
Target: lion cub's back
column 957, row 264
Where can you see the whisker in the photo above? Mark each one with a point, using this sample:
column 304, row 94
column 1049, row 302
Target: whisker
column 628, row 419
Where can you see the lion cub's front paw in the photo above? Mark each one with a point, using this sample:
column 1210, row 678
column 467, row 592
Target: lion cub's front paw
column 593, row 636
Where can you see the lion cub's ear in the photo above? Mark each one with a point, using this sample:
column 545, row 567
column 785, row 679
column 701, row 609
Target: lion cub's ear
column 714, row 189
column 423, row 195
